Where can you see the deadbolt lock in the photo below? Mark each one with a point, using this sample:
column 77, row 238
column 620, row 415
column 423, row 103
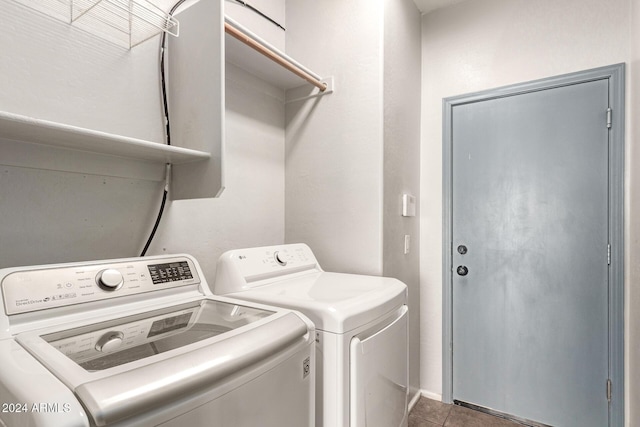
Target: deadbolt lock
column 462, row 249
column 462, row 270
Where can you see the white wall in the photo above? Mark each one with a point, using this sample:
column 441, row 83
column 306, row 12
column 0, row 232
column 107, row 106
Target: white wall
column 250, row 211
column 51, row 70
column 482, row 44
column 351, row 154
column 402, row 159
column 54, row 71
column 256, row 23
column 334, row 148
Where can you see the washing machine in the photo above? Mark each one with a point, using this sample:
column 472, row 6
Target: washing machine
column 143, row 342
column 361, row 329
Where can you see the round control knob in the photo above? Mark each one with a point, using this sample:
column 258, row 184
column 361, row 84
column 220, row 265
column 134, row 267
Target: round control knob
column 110, row 341
column 110, row 279
column 279, row 259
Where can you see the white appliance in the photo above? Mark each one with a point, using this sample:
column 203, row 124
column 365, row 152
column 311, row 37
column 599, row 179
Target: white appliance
column 143, row 342
column 361, row 329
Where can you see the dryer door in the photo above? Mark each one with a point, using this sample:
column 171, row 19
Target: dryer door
column 380, row 374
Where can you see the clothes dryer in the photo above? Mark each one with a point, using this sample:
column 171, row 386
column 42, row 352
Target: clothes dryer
column 361, row 329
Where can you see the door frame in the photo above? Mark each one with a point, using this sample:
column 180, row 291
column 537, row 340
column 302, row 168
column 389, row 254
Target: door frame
column 615, row 74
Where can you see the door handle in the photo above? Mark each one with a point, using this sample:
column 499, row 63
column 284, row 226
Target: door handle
column 462, row 270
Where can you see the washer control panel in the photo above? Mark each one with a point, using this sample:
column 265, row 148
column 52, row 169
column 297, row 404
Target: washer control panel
column 26, row 290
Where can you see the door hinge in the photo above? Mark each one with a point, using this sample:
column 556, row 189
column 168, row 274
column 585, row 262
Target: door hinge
column 608, row 118
column 608, row 390
column 609, row 254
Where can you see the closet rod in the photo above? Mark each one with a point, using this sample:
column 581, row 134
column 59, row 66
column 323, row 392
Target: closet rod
column 274, row 56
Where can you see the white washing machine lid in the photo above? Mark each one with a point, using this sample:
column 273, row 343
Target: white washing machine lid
column 335, row 302
column 175, row 351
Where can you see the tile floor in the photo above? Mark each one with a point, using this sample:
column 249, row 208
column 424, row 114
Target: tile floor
column 431, row 413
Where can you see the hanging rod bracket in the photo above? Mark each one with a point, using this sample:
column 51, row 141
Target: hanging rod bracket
column 329, row 88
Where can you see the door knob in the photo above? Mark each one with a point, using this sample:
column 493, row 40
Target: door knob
column 462, row 270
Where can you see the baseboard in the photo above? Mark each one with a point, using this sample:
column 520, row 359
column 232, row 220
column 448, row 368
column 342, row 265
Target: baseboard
column 431, row 395
column 414, row 400
column 423, row 393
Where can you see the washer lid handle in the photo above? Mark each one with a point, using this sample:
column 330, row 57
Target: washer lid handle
column 155, row 385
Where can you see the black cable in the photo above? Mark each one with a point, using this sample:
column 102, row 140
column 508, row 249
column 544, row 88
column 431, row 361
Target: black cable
column 163, row 85
column 165, row 107
column 253, row 9
column 155, row 227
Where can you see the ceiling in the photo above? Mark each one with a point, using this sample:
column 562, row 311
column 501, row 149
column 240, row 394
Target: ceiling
column 427, row 6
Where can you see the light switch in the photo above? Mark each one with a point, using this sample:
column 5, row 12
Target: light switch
column 407, row 243
column 408, row 205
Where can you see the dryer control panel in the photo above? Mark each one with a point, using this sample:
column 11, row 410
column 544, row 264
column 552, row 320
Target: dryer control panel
column 247, row 268
column 26, row 290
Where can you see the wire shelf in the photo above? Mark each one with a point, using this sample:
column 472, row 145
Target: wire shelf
column 123, row 22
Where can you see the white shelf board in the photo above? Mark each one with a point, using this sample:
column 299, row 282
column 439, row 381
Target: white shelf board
column 29, row 129
column 250, row 60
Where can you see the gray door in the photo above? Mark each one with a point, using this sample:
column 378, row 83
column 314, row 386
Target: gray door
column 529, row 288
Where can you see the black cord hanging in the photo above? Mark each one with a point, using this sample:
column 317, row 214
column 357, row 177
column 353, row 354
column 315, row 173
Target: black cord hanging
column 165, row 108
column 155, row 227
